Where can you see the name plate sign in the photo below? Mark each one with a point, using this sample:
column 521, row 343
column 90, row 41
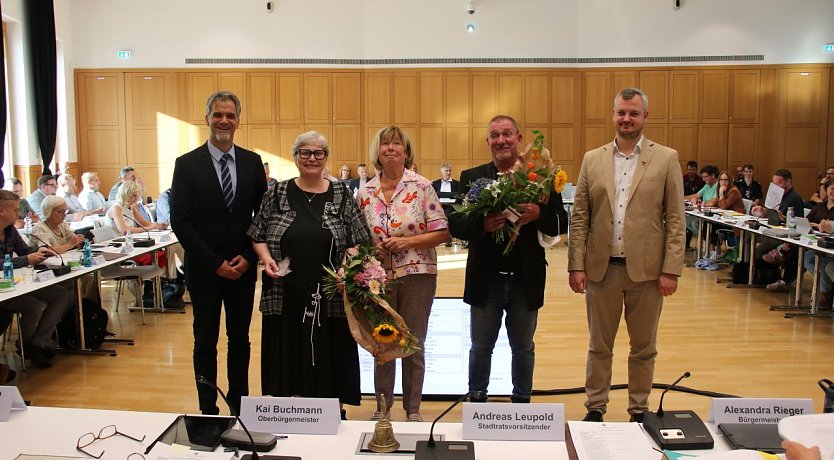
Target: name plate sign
column 514, row 422
column 291, row 415
column 757, row 411
column 45, row 275
column 98, row 260
column 10, row 400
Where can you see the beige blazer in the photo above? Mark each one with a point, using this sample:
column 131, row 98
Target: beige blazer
column 654, row 221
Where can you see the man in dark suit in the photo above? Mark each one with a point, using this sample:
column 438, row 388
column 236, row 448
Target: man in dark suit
column 446, row 187
column 362, row 172
column 515, row 281
column 219, row 186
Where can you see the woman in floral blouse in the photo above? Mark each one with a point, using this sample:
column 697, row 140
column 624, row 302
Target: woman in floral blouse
column 406, row 222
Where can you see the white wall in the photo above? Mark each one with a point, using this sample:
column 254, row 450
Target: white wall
column 162, row 33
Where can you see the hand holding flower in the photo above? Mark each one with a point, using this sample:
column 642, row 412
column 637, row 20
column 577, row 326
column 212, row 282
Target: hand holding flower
column 529, row 213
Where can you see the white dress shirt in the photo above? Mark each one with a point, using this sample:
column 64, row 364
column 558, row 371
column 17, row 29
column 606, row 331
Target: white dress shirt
column 624, row 167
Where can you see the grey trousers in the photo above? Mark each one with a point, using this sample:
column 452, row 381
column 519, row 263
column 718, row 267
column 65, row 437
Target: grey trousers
column 40, row 313
column 412, row 297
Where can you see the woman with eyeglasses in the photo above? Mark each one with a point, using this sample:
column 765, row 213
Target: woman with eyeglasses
column 408, row 222
column 729, row 196
column 306, row 223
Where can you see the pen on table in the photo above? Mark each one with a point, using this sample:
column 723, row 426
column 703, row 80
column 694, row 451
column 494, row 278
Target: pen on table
column 281, row 436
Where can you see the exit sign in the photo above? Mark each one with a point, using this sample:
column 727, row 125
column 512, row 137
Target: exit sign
column 828, row 48
column 123, row 54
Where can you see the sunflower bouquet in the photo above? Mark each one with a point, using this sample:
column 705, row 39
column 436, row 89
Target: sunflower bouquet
column 531, row 180
column 376, row 327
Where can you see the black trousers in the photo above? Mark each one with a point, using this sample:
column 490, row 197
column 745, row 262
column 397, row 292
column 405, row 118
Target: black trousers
column 208, row 296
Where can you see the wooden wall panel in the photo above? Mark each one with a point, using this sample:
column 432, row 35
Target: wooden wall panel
column 596, row 89
column 262, row 100
column 431, row 98
column 565, row 91
column 536, row 99
column 484, row 98
column 714, row 101
column 347, row 97
column 683, row 97
column 290, row 98
column 744, row 96
column 655, row 84
column 457, row 105
column 406, row 99
column 712, row 145
column 684, row 139
column 378, row 99
column 743, row 140
column 201, row 85
column 510, row 96
column 317, row 98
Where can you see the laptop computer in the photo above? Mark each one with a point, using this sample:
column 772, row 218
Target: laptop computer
column 754, row 437
column 803, row 226
column 773, row 217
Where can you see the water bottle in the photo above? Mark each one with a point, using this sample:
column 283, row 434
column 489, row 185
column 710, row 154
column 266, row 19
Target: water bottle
column 87, row 254
column 791, row 220
column 827, row 388
column 27, row 224
column 8, row 268
column 128, row 241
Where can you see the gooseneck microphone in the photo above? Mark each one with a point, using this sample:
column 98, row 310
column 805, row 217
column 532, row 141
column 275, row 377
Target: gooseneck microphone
column 267, row 441
column 685, row 375
column 432, row 449
column 148, row 242
column 57, row 271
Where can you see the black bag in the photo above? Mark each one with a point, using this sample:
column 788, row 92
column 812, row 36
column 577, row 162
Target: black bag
column 95, row 327
column 172, row 292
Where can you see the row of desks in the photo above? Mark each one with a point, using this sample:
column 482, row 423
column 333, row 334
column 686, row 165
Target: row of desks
column 750, row 237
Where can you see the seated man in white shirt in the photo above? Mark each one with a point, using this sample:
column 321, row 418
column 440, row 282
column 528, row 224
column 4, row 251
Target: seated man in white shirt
column 66, row 190
column 90, row 198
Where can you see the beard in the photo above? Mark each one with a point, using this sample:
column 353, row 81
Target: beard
column 222, row 137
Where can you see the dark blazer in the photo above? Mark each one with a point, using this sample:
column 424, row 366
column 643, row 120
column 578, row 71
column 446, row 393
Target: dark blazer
column 481, row 263
column 457, row 189
column 209, row 233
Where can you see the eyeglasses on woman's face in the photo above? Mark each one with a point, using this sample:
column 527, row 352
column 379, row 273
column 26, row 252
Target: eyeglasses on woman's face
column 305, row 154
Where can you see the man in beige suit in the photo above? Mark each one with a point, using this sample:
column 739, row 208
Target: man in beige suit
column 626, row 248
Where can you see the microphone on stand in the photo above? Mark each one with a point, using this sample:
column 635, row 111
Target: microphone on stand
column 232, row 438
column 57, row 271
column 431, row 449
column 677, row 429
column 146, row 243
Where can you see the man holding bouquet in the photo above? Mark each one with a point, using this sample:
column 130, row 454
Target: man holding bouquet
column 514, row 286
column 626, row 248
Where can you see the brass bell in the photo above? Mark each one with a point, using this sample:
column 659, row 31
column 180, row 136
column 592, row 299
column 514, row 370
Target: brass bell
column 383, row 440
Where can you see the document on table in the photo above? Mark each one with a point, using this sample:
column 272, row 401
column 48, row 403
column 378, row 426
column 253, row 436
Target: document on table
column 611, row 441
column 774, row 196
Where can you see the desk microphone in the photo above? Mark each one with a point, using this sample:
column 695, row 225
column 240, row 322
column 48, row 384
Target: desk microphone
column 431, row 449
column 57, row 271
column 146, row 243
column 678, row 429
column 231, row 438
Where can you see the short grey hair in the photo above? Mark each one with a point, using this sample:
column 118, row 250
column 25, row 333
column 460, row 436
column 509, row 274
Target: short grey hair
column 51, row 202
column 125, row 171
column 445, row 166
column 629, row 93
column 222, row 96
column 311, row 138
column 63, row 179
column 88, row 176
column 386, row 135
column 502, row 117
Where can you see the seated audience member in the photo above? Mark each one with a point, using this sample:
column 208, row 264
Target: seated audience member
column 140, row 208
column 56, row 232
column 14, row 185
column 821, row 218
column 739, row 174
column 66, row 190
column 692, row 182
column 270, row 181
column 325, row 173
column 729, row 196
column 344, row 175
column 126, row 174
column 790, row 199
column 40, row 310
column 163, row 207
column 360, row 180
column 90, row 198
column 707, row 196
column 821, row 194
column 446, row 187
column 750, row 188
column 47, row 185
column 124, row 216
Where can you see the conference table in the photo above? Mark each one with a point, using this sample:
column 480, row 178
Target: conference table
column 163, row 240
column 710, row 216
column 55, row 431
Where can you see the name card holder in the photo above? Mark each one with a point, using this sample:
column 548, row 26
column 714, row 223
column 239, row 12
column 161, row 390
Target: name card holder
column 291, row 415
column 757, row 411
column 98, row 260
column 10, row 400
column 514, row 422
column 45, row 275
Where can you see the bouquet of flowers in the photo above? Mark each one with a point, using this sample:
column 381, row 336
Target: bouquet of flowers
column 531, row 180
column 375, row 326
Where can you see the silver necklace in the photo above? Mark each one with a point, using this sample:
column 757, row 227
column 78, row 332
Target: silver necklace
column 309, row 198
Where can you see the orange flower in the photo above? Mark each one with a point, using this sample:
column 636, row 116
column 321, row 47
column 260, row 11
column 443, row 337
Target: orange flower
column 535, row 156
column 530, row 165
column 532, row 176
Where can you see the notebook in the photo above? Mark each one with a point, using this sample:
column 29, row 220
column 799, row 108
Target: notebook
column 755, row 437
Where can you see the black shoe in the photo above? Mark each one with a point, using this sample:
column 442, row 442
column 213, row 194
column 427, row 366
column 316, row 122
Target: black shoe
column 519, row 400
column 593, row 416
column 344, row 414
column 638, row 417
column 478, row 397
column 48, row 352
column 36, row 355
column 10, row 376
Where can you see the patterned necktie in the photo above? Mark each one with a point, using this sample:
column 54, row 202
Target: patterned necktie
column 226, row 181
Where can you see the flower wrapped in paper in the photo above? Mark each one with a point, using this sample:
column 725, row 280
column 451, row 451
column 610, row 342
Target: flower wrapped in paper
column 531, row 180
column 376, row 327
